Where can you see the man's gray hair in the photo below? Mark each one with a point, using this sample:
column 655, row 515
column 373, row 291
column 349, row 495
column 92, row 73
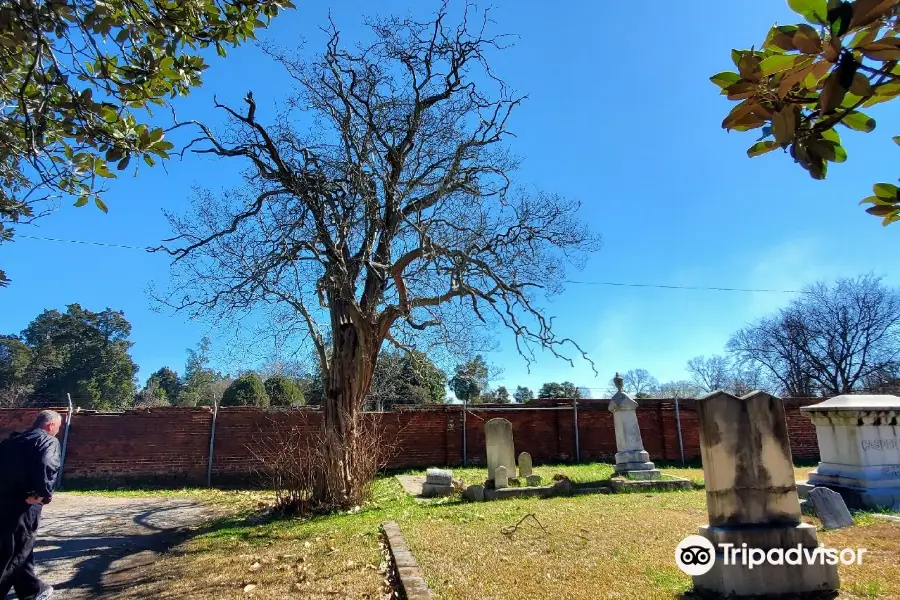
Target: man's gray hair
column 45, row 417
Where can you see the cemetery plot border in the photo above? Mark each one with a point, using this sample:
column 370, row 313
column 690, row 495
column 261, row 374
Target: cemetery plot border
column 405, row 570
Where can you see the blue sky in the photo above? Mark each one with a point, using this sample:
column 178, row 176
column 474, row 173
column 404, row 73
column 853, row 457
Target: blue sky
column 620, row 116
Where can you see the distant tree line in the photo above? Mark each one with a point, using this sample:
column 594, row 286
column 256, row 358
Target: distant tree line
column 832, row 339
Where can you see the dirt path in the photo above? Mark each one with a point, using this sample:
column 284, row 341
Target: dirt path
column 89, row 545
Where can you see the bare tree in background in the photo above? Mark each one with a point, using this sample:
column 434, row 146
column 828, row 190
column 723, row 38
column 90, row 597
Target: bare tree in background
column 394, row 220
column 640, row 383
column 718, row 372
column 711, row 373
column 829, row 341
column 679, row 389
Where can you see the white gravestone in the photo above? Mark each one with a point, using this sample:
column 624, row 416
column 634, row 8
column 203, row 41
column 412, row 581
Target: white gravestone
column 859, row 449
column 631, row 458
column 498, row 439
column 501, row 479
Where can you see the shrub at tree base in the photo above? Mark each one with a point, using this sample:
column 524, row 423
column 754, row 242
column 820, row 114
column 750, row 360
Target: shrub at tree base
column 296, row 465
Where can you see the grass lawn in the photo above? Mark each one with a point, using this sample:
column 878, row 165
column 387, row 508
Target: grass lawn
column 596, row 546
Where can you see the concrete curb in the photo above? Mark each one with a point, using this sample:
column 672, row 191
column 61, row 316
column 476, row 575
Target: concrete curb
column 409, row 576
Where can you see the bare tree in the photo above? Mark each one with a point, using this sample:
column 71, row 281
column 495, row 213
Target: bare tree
column 830, row 340
column 394, row 219
column 640, row 383
column 709, row 374
column 679, row 389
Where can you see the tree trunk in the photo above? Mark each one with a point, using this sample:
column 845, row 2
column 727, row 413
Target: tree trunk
column 347, row 382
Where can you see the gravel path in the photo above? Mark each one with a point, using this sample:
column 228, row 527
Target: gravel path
column 90, row 545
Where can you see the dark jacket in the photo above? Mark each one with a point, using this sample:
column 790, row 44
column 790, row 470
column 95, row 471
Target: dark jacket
column 29, row 463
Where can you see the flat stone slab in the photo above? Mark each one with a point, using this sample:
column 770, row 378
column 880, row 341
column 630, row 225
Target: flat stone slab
column 803, row 489
column 412, row 484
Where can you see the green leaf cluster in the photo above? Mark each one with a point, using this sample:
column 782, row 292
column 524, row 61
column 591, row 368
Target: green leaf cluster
column 808, row 78
column 79, row 83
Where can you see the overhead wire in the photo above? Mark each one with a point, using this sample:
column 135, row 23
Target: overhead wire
column 571, row 281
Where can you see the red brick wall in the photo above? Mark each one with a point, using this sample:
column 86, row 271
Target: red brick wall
column 173, row 443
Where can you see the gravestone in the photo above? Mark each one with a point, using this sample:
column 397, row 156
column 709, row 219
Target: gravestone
column 501, row 479
column 498, row 439
column 438, row 482
column 751, row 498
column 830, row 508
column 524, row 465
column 631, row 458
column 533, row 480
column 859, row 449
column 474, row 493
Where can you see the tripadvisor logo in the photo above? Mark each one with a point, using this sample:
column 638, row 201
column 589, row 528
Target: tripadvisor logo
column 696, row 555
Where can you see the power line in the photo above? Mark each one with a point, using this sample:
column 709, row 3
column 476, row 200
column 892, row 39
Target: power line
column 603, row 283
column 683, row 287
column 49, row 239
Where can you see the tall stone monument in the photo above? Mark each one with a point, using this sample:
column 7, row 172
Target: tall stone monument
column 859, row 446
column 498, row 439
column 631, row 459
column 751, row 498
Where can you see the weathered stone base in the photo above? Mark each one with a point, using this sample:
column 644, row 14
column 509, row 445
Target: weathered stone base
column 766, row 579
column 643, row 475
column 662, row 483
column 627, row 467
column 433, row 490
column 865, row 499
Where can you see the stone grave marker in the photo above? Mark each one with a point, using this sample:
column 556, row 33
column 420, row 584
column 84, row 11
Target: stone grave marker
column 751, row 498
column 630, row 456
column 524, row 465
column 859, row 446
column 830, row 508
column 501, row 479
column 498, row 439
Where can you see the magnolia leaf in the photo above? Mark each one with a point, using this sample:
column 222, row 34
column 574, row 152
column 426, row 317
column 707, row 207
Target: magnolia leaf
column 779, row 63
column 784, row 125
column 749, row 67
column 875, row 200
column 880, row 51
column 868, row 11
column 807, row 40
column 896, row 139
column 832, row 94
column 761, row 148
column 737, row 113
column 861, row 86
column 742, row 90
column 781, row 37
column 100, row 204
column 886, row 191
column 123, row 164
column 813, row 11
column 881, row 211
column 858, row 121
column 890, row 219
column 791, row 79
column 81, row 201
column 863, row 37
column 725, row 79
column 832, row 136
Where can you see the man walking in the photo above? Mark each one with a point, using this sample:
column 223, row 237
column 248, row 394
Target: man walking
column 29, row 463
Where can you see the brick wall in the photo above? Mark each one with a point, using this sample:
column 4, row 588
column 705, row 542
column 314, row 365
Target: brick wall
column 173, row 443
